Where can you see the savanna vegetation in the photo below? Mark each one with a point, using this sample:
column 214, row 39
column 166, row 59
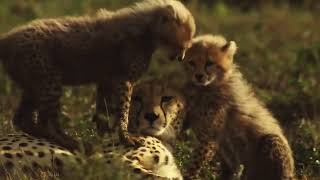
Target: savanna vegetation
column 279, row 53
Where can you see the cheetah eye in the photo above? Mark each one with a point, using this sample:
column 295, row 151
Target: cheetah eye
column 192, row 63
column 209, row 63
column 165, row 99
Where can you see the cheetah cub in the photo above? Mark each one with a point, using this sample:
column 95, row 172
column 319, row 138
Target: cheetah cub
column 225, row 113
column 110, row 49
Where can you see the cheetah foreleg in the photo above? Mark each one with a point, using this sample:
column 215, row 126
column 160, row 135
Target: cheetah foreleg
column 201, row 158
column 208, row 144
column 275, row 152
column 126, row 89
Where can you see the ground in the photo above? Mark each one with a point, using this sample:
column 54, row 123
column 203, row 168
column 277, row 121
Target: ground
column 279, row 53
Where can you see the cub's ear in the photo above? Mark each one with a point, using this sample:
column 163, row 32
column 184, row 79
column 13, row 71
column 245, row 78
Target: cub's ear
column 230, row 48
column 168, row 13
column 170, row 10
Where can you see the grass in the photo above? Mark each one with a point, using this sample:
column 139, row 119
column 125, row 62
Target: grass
column 279, row 53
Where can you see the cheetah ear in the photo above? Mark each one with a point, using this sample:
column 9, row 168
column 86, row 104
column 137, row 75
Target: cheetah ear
column 230, row 48
column 170, row 10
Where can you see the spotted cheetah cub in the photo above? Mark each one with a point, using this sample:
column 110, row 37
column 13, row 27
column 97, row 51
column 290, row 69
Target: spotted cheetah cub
column 110, row 49
column 224, row 112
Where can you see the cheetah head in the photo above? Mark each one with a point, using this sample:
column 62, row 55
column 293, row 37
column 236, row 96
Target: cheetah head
column 209, row 60
column 157, row 111
column 173, row 28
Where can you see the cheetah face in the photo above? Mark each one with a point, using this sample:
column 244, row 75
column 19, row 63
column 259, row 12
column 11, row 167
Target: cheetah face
column 156, row 111
column 209, row 60
column 173, row 30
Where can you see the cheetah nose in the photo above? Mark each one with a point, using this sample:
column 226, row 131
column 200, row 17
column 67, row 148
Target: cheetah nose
column 199, row 77
column 151, row 117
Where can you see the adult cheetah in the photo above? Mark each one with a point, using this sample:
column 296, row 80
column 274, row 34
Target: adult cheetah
column 22, row 155
column 156, row 118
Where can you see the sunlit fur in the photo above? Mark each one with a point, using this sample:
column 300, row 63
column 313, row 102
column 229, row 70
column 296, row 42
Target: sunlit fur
column 152, row 156
column 164, row 103
column 225, row 110
column 172, row 33
column 26, row 157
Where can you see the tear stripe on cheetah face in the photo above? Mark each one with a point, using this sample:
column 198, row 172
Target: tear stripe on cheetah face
column 26, row 154
column 157, row 110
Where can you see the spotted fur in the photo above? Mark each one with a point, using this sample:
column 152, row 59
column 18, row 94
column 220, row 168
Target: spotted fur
column 226, row 116
column 151, row 159
column 21, row 154
column 158, row 110
column 24, row 154
column 111, row 50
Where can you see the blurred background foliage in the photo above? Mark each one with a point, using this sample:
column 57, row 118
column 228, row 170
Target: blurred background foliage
column 279, row 53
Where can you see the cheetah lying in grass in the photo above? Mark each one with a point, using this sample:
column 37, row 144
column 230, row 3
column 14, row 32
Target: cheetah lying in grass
column 23, row 155
column 158, row 117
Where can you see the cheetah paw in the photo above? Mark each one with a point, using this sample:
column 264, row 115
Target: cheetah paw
column 131, row 140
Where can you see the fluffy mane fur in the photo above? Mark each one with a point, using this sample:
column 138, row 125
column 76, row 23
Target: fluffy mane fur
column 243, row 97
column 209, row 40
column 144, row 8
column 145, row 12
column 135, row 19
